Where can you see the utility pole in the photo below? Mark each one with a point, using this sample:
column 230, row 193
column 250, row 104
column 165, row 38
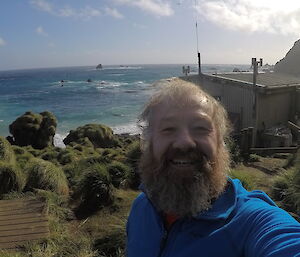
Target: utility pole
column 199, row 64
column 255, row 64
column 255, row 69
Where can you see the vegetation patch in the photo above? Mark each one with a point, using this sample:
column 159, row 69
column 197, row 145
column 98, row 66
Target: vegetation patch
column 94, row 190
column 45, row 175
column 99, row 135
column 11, row 178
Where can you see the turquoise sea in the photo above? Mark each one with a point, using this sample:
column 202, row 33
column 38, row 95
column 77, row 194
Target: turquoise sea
column 115, row 95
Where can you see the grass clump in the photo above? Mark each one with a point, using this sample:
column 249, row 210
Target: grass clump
column 75, row 170
column 22, row 156
column 11, row 178
column 247, row 180
column 234, row 150
column 94, row 190
column 45, row 175
column 119, row 172
column 286, row 187
column 99, row 135
column 6, row 152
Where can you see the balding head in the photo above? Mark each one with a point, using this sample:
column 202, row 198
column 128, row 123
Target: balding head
column 182, row 94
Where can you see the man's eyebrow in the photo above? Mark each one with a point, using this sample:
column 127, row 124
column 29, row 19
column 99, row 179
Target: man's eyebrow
column 168, row 118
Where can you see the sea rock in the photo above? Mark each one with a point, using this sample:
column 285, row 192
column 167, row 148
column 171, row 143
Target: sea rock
column 35, row 129
column 99, row 66
column 290, row 64
column 99, row 135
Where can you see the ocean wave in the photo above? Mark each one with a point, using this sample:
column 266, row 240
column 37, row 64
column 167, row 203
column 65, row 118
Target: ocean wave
column 130, row 128
column 117, row 74
column 123, row 68
column 58, row 140
column 107, row 84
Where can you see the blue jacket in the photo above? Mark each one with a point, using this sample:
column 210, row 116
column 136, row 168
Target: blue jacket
column 239, row 224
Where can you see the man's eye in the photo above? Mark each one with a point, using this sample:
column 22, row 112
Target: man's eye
column 168, row 129
column 202, row 129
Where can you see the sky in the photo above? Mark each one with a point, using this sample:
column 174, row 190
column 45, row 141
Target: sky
column 58, row 33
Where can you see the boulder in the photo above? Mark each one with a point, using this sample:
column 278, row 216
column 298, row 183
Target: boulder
column 99, row 135
column 33, row 129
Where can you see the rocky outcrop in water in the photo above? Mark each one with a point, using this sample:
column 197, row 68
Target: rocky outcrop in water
column 290, row 64
column 35, row 129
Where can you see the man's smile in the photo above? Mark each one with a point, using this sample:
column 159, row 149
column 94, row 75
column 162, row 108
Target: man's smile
column 182, row 162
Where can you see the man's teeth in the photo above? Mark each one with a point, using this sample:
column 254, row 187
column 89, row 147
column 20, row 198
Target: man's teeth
column 182, row 162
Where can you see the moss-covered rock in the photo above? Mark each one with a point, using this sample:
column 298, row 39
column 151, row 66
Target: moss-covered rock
column 34, row 129
column 11, row 178
column 98, row 135
column 45, row 175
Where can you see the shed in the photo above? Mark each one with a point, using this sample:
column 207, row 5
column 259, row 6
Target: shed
column 272, row 101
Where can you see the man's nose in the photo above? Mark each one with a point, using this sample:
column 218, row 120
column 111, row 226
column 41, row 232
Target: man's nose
column 184, row 141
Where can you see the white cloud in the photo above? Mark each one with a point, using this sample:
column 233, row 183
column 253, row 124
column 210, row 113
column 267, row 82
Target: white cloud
column 2, row 42
column 84, row 13
column 66, row 12
column 280, row 17
column 41, row 31
column 88, row 12
column 156, row 7
column 42, row 5
column 113, row 12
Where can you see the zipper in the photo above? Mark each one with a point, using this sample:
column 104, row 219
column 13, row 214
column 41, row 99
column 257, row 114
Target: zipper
column 166, row 236
column 163, row 242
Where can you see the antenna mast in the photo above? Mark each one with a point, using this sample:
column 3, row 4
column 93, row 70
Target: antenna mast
column 198, row 53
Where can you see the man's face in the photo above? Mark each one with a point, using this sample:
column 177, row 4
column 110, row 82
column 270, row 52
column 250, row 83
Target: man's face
column 179, row 168
column 183, row 136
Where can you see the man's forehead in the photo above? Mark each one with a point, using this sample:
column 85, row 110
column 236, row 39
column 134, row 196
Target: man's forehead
column 167, row 109
column 199, row 101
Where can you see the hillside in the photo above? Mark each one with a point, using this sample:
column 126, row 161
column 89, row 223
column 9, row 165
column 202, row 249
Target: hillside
column 290, row 64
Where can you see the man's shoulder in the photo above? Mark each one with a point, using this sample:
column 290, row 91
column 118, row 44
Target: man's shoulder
column 244, row 196
column 258, row 204
column 140, row 200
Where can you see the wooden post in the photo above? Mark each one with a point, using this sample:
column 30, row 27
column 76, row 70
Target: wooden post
column 199, row 64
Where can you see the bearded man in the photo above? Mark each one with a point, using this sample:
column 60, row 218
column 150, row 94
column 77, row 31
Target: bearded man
column 189, row 207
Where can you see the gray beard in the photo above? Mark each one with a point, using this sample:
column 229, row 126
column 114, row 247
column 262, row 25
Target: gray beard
column 181, row 196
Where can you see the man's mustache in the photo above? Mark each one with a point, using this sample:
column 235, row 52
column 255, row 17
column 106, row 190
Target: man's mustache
column 195, row 154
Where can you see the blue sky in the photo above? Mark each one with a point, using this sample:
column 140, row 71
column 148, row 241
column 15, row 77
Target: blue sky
column 54, row 33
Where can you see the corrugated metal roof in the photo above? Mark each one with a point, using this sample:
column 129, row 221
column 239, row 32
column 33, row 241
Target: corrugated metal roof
column 270, row 79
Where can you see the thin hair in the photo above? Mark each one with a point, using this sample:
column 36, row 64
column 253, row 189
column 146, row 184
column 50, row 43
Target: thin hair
column 182, row 93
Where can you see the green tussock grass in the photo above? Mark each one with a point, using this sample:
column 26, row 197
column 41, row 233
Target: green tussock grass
column 11, row 178
column 6, row 152
column 286, row 187
column 247, row 179
column 45, row 175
